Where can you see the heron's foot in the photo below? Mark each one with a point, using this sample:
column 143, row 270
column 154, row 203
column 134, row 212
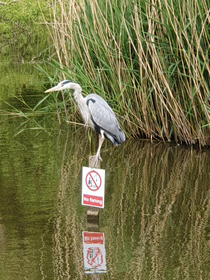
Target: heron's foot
column 99, row 157
column 95, row 161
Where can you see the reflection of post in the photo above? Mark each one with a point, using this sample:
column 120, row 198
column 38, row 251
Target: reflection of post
column 93, row 212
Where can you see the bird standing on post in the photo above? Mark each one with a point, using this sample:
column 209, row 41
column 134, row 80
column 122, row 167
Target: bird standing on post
column 96, row 113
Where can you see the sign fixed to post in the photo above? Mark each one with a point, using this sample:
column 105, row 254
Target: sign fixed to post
column 94, row 252
column 93, row 182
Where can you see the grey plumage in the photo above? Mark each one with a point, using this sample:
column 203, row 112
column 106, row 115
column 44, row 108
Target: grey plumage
column 104, row 118
column 96, row 113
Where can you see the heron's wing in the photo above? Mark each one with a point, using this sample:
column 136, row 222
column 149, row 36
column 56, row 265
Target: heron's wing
column 104, row 118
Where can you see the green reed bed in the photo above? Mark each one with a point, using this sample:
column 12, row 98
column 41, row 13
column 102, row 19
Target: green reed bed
column 148, row 59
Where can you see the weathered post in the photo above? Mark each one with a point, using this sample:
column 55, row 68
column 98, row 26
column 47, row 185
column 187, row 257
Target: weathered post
column 93, row 212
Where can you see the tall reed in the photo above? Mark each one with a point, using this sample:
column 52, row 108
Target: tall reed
column 149, row 59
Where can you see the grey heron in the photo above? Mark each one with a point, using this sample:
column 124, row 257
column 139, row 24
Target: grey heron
column 96, row 113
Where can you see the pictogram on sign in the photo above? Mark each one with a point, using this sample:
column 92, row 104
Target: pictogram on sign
column 94, row 257
column 93, row 181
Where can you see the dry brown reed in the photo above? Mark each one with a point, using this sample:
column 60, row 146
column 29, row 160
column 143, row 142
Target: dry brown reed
column 149, row 59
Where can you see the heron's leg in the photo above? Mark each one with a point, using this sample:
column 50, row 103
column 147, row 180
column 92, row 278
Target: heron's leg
column 97, row 156
column 101, row 140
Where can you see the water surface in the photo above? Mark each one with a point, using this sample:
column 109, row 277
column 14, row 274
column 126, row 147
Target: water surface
column 157, row 198
column 155, row 221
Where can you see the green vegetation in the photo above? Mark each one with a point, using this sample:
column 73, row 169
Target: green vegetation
column 24, row 41
column 150, row 60
column 22, row 29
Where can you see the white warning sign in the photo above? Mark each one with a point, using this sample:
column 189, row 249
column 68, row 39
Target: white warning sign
column 93, row 182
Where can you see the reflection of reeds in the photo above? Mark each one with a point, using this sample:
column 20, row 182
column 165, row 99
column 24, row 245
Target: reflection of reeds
column 155, row 217
column 67, row 252
column 158, row 214
column 150, row 57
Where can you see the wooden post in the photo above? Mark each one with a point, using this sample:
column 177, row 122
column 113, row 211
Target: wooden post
column 93, row 212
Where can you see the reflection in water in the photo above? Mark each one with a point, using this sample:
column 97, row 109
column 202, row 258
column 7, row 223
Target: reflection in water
column 67, row 251
column 156, row 215
column 94, row 255
column 160, row 207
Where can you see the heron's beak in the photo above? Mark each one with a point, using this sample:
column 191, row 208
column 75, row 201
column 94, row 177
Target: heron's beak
column 56, row 88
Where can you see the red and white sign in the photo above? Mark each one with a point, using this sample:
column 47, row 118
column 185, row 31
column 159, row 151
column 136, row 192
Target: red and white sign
column 93, row 181
column 94, row 252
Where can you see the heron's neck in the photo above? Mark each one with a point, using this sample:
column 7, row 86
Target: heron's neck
column 78, row 95
column 80, row 100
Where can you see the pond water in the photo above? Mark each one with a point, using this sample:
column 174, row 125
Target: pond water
column 156, row 219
